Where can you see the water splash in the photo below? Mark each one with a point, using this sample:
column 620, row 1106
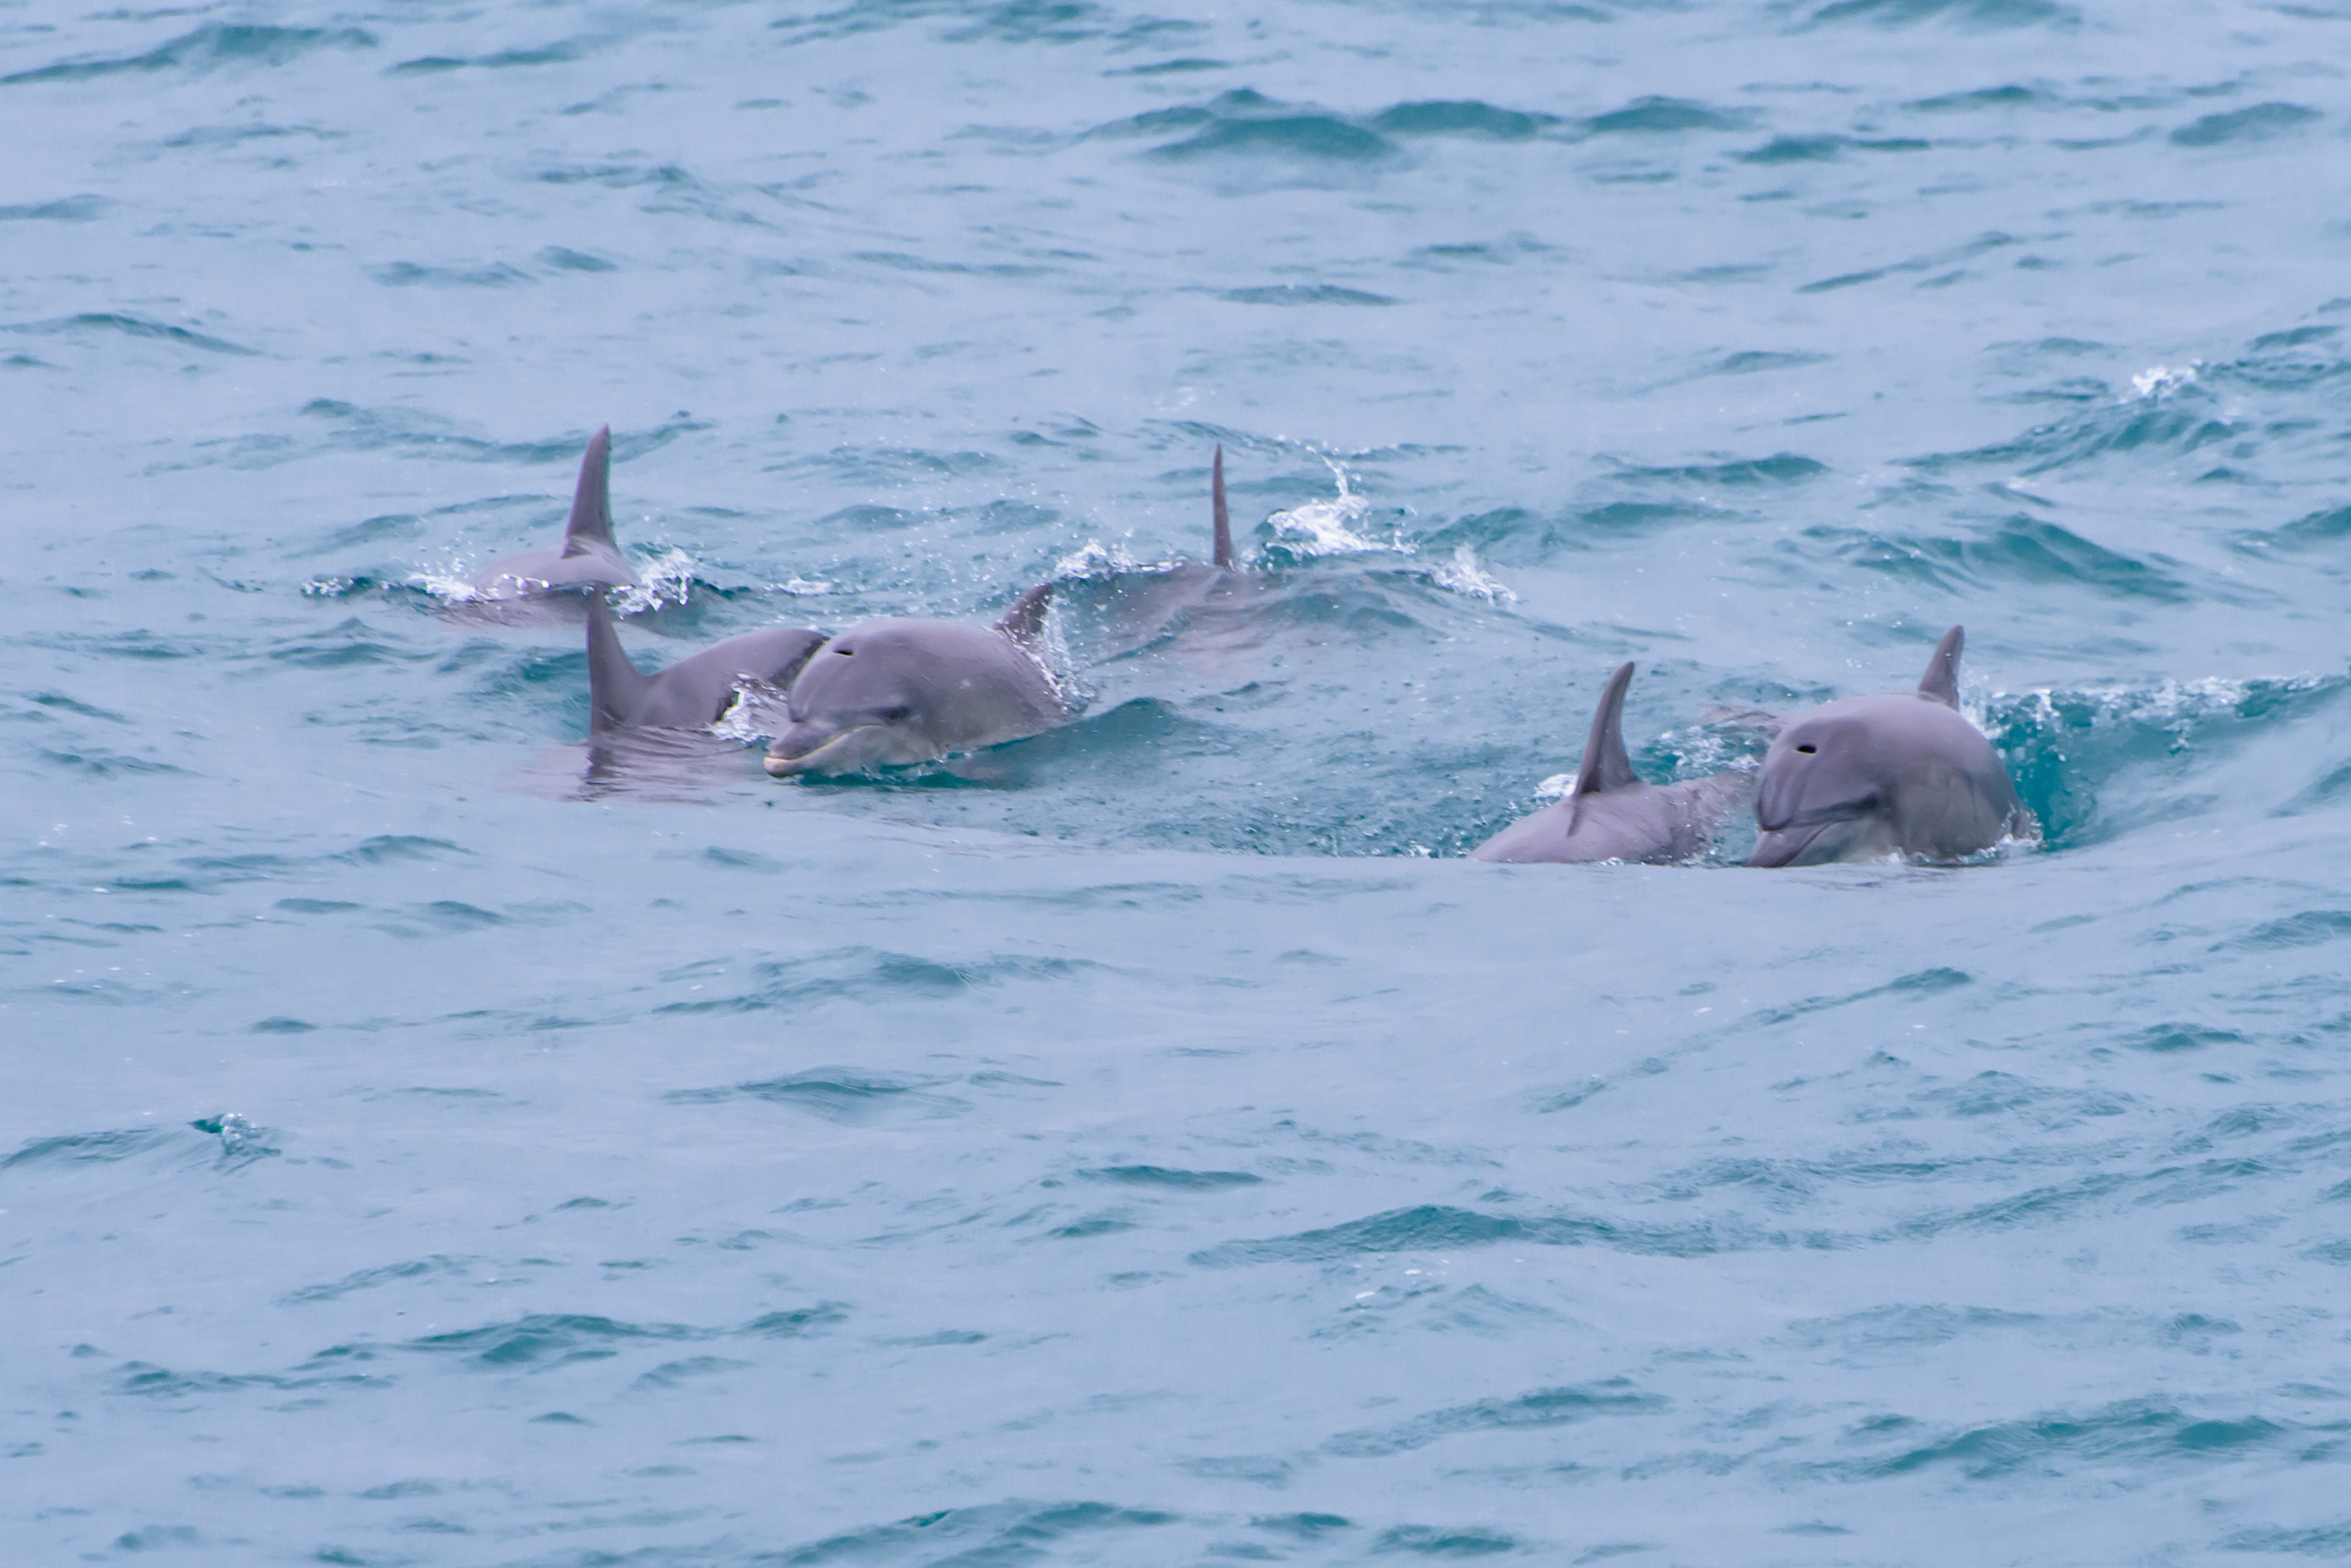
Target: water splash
column 758, row 713
column 241, row 1140
column 1051, row 650
column 1331, row 527
column 2161, row 380
column 1094, row 562
column 1464, row 577
column 449, row 580
column 1340, row 526
column 2173, row 707
column 667, row 580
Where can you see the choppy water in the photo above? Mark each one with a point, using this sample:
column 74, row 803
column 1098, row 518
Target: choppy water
column 428, row 1143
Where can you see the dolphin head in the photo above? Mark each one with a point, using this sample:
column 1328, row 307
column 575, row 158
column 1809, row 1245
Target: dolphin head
column 889, row 692
column 860, row 703
column 1873, row 777
column 1825, row 784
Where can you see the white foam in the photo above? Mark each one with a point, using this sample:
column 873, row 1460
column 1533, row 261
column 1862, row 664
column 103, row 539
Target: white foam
column 1464, row 575
column 2162, row 380
column 1329, row 528
column 1090, row 562
column 757, row 714
column 2174, row 706
column 667, row 580
column 449, row 583
column 1338, row 527
column 1051, row 650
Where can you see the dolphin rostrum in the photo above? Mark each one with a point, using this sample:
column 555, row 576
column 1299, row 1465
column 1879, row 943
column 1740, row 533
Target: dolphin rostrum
column 888, row 692
column 586, row 559
column 1870, row 777
column 1611, row 815
column 693, row 693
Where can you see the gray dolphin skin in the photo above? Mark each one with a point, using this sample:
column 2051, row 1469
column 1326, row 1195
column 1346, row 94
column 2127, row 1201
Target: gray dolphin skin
column 1222, row 552
column 693, row 693
column 1871, row 777
column 1206, row 603
column 586, row 559
column 1611, row 815
column 889, row 692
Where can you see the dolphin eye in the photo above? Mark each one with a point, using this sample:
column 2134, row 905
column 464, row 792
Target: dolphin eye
column 894, row 715
column 1807, row 751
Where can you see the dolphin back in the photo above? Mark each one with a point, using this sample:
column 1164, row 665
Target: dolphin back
column 1606, row 767
column 1941, row 681
column 1611, row 815
column 693, row 693
column 1221, row 514
column 616, row 687
column 592, row 500
column 1024, row 623
column 586, row 559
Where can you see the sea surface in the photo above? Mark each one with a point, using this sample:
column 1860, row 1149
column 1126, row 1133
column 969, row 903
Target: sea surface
column 428, row 1141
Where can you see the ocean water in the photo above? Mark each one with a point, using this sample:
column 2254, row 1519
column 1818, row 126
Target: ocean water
column 429, row 1142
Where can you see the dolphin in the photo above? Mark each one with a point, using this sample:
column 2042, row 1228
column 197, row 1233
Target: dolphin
column 693, row 693
column 1611, row 815
column 1870, row 777
column 586, row 559
column 891, row 692
column 1123, row 612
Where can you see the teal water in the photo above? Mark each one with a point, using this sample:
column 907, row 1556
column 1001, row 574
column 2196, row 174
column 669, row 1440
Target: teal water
column 430, row 1143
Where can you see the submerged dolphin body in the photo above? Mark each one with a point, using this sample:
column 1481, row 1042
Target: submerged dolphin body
column 696, row 692
column 1611, row 815
column 1870, row 777
column 586, row 559
column 888, row 692
column 1122, row 612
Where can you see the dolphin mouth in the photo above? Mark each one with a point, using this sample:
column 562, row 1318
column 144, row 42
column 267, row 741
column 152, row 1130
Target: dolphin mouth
column 813, row 759
column 1786, row 846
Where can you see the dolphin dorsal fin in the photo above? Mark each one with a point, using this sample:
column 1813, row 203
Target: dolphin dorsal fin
column 1606, row 765
column 1941, row 681
column 1024, row 623
column 1224, row 556
column 615, row 687
column 592, row 504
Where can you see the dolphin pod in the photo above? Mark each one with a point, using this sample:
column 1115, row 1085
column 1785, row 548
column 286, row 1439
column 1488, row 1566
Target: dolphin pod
column 1862, row 778
column 1901, row 773
column 588, row 558
column 1611, row 815
column 886, row 692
